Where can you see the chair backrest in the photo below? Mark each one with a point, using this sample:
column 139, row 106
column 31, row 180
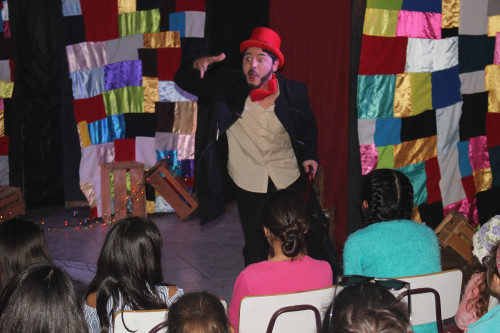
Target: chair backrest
column 447, row 284
column 140, row 321
column 256, row 311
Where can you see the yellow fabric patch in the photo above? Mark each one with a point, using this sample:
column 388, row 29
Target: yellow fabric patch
column 482, row 179
column 380, row 22
column 151, row 94
column 162, row 39
column 412, row 152
column 127, row 6
column 421, row 92
column 2, row 123
column 450, row 15
column 402, row 96
column 493, row 25
column 492, row 80
column 83, row 133
column 6, row 89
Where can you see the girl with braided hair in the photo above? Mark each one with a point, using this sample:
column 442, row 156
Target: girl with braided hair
column 284, row 217
column 391, row 245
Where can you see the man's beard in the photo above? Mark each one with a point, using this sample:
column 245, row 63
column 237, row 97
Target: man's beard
column 264, row 78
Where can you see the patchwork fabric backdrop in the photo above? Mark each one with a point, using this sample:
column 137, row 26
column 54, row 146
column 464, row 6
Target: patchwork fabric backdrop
column 429, row 102
column 122, row 57
column 6, row 88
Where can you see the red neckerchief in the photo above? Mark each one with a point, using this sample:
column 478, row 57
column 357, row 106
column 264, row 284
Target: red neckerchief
column 259, row 94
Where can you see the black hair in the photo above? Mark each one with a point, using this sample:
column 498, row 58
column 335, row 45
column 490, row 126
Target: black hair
column 41, row 298
column 389, row 195
column 285, row 214
column 368, row 307
column 200, row 312
column 22, row 242
column 129, row 266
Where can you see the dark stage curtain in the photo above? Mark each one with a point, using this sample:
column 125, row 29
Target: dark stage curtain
column 315, row 42
column 34, row 117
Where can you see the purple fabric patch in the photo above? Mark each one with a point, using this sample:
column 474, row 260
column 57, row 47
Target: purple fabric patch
column 187, row 168
column 369, row 158
column 122, row 74
column 419, row 24
column 478, row 153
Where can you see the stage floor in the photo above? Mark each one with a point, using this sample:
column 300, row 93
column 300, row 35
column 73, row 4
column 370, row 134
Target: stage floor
column 194, row 257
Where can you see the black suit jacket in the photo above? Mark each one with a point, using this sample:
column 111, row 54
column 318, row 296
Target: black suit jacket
column 221, row 99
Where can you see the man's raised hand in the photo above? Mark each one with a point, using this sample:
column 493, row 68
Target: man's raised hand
column 203, row 63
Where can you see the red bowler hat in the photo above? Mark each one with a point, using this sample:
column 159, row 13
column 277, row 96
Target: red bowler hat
column 266, row 39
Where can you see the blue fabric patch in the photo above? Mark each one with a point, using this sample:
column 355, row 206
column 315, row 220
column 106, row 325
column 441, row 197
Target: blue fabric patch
column 187, row 168
column 432, row 6
column 87, row 83
column 463, row 159
column 418, row 178
column 1, row 21
column 387, row 132
column 172, row 161
column 495, row 165
column 376, row 96
column 107, row 130
column 71, row 7
column 445, row 88
column 177, row 22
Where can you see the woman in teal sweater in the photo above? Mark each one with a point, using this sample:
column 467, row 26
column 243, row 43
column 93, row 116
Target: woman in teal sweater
column 391, row 245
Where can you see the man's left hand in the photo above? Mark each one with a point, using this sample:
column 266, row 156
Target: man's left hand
column 311, row 163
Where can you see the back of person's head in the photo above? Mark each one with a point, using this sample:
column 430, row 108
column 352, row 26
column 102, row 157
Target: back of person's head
column 368, row 308
column 41, row 298
column 198, row 312
column 482, row 243
column 389, row 196
column 285, row 214
column 22, row 243
column 492, row 264
column 129, row 266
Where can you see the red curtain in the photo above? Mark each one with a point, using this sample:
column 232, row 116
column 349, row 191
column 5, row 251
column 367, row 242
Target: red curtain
column 316, row 41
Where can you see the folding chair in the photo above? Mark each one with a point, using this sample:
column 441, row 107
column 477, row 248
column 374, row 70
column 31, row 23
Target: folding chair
column 139, row 321
column 300, row 312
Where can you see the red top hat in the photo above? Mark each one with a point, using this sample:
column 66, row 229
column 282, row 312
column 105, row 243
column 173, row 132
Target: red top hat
column 266, row 39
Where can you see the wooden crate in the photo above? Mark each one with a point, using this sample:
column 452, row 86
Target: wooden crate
column 138, row 196
column 11, row 202
column 171, row 189
column 456, row 232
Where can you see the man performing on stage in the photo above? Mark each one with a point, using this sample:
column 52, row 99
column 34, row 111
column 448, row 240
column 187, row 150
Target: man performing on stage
column 256, row 131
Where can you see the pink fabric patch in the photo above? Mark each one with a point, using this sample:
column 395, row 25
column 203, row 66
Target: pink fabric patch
column 496, row 60
column 419, row 24
column 369, row 158
column 478, row 153
column 86, row 55
column 2, row 107
column 465, row 208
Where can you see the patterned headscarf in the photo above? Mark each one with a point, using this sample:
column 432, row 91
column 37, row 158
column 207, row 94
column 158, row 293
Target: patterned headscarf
column 486, row 238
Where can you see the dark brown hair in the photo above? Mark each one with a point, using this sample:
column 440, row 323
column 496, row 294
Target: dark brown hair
column 199, row 312
column 22, row 243
column 285, row 215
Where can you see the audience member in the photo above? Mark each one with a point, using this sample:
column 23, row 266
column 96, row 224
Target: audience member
column 288, row 268
column 490, row 322
column 199, row 312
column 22, row 243
column 477, row 300
column 367, row 308
column 41, row 298
column 391, row 245
column 129, row 275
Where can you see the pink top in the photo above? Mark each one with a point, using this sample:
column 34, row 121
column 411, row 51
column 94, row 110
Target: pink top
column 277, row 277
column 464, row 316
